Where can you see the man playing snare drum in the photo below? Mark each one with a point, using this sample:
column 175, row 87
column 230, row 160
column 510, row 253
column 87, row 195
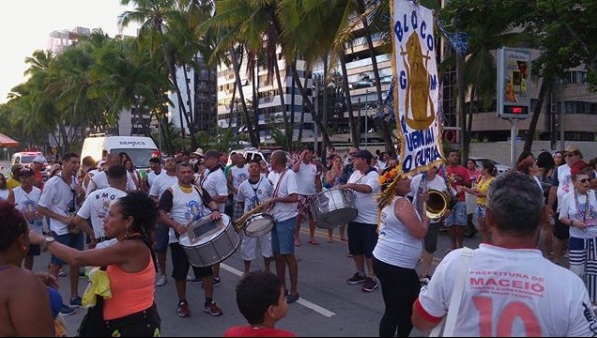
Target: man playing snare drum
column 179, row 205
column 250, row 193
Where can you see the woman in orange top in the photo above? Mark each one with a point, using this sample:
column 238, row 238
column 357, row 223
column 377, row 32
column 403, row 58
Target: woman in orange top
column 131, row 311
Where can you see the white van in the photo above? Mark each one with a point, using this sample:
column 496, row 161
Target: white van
column 138, row 148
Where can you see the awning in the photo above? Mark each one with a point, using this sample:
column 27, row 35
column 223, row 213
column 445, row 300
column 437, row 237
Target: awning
column 7, row 142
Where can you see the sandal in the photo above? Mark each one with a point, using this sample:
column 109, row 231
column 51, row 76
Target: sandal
column 313, row 242
column 297, row 243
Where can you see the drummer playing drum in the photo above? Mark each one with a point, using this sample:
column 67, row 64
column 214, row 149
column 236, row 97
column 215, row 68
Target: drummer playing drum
column 251, row 192
column 179, row 205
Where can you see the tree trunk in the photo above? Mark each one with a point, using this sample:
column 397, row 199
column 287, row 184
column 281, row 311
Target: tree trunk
column 236, row 65
column 464, row 141
column 324, row 134
column 287, row 128
column 356, row 137
column 384, row 126
column 256, row 101
column 528, row 143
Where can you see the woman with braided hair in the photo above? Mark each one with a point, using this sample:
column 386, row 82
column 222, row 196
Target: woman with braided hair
column 129, row 265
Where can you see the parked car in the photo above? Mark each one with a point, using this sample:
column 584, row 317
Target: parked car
column 251, row 153
column 501, row 168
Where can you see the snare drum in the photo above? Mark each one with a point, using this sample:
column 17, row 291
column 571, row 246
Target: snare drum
column 208, row 242
column 333, row 207
column 259, row 225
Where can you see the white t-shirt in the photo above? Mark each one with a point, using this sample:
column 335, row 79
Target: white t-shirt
column 569, row 209
column 186, row 207
column 27, row 202
column 239, row 175
column 253, row 194
column 509, row 293
column 151, row 177
column 284, row 211
column 214, row 182
column 96, row 207
column 365, row 203
column 100, row 181
column 305, row 179
column 395, row 244
column 4, row 194
column 161, row 184
column 58, row 197
column 564, row 183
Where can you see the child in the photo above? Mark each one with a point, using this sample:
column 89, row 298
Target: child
column 260, row 298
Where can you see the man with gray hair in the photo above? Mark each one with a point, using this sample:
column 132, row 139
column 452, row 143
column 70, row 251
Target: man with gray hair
column 510, row 289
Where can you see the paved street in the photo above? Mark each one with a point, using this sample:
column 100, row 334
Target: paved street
column 328, row 305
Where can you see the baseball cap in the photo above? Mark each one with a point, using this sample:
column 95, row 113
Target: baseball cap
column 212, row 153
column 365, row 154
column 26, row 171
column 39, row 159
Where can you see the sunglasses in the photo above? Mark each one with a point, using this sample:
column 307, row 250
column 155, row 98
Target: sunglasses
column 584, row 180
column 570, row 154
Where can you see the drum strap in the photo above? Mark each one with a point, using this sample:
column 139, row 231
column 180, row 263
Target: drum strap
column 256, row 188
column 200, row 192
column 279, row 183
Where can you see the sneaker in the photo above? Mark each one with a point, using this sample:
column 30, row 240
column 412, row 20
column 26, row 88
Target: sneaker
column 67, row 310
column 76, row 302
column 370, row 285
column 213, row 309
column 290, row 298
column 62, row 273
column 161, row 281
column 425, row 279
column 356, row 279
column 183, row 309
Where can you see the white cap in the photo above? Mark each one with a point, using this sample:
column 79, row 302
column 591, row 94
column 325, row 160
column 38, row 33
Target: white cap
column 39, row 159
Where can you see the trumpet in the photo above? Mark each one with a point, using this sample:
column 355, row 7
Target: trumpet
column 437, row 204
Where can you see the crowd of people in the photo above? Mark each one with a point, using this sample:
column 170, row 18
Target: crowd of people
column 121, row 221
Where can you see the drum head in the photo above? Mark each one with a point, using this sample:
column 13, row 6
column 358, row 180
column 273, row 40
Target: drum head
column 204, row 230
column 259, row 225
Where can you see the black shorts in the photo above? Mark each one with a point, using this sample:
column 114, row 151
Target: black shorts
column 362, row 239
column 34, row 250
column 180, row 264
column 560, row 230
column 430, row 241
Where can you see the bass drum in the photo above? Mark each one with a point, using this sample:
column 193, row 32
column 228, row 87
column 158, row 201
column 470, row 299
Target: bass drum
column 259, row 225
column 333, row 207
column 208, row 242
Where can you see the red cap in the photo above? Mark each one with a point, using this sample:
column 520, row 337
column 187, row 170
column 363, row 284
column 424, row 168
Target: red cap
column 578, row 166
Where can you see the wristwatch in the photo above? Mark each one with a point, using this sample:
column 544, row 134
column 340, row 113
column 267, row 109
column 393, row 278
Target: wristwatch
column 46, row 241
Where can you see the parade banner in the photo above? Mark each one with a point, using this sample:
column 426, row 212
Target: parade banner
column 416, row 96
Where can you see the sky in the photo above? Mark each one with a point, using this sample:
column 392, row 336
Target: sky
column 27, row 24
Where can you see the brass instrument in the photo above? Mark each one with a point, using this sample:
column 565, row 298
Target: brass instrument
column 437, row 204
column 239, row 224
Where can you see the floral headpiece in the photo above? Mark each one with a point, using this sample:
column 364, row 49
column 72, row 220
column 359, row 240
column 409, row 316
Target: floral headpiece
column 388, row 180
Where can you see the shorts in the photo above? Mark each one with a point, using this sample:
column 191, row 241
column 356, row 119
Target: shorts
column 480, row 211
column 180, row 264
column 34, row 250
column 248, row 247
column 238, row 210
column 74, row 241
column 161, row 238
column 458, row 216
column 560, row 230
column 430, row 241
column 362, row 239
column 303, row 205
column 283, row 237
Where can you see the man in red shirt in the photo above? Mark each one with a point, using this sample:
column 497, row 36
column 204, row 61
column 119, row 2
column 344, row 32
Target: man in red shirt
column 456, row 220
column 37, row 165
